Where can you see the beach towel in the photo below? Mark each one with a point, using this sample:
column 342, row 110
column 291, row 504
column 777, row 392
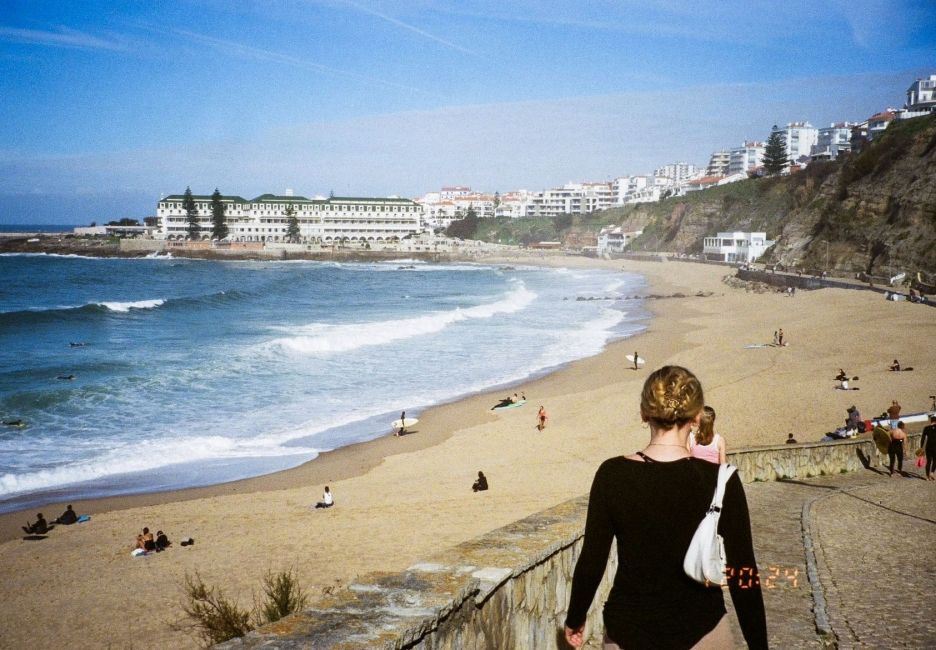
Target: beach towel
column 83, row 518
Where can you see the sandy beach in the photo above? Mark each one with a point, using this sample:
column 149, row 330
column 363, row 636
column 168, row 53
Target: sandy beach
column 399, row 499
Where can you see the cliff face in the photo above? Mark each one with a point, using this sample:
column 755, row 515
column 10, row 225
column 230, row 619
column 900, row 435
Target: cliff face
column 874, row 212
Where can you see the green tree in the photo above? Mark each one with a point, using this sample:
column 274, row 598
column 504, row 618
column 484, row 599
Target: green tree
column 775, row 153
column 219, row 229
column 464, row 228
column 191, row 214
column 292, row 225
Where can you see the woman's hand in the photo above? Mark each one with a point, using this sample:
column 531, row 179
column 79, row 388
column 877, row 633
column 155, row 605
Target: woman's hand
column 575, row 637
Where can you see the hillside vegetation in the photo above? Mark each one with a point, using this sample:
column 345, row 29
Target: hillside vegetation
column 872, row 212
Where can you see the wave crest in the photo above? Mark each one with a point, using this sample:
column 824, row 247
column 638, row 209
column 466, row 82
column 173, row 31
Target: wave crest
column 320, row 338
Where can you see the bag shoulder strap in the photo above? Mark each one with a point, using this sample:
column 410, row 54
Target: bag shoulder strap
column 725, row 470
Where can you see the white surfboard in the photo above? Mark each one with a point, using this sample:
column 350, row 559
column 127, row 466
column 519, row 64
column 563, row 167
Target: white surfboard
column 630, row 357
column 408, row 422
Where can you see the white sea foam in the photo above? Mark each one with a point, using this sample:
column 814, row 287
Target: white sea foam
column 321, row 338
column 127, row 306
column 147, row 455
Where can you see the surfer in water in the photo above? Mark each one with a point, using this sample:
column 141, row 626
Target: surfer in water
column 66, row 377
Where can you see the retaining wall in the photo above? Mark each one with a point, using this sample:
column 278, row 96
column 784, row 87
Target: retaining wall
column 508, row 588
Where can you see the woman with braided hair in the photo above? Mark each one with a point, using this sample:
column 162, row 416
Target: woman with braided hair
column 651, row 503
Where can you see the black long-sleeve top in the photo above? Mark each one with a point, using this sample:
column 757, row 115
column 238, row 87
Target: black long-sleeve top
column 653, row 509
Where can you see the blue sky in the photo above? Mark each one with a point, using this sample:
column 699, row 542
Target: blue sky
column 106, row 106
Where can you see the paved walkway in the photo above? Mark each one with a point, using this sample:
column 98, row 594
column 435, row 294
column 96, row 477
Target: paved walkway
column 847, row 561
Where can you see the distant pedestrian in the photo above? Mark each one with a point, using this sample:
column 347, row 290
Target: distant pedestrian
column 635, row 359
column 541, row 418
column 928, row 443
column 780, row 337
column 895, row 451
column 402, row 424
column 480, row 484
column 893, row 412
column 775, row 338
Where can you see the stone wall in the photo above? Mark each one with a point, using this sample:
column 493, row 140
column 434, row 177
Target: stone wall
column 141, row 244
column 508, row 588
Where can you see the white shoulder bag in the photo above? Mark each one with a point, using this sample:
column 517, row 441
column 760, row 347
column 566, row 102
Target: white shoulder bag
column 705, row 558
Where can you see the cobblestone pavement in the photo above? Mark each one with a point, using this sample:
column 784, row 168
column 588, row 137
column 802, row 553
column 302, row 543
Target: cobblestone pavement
column 873, row 542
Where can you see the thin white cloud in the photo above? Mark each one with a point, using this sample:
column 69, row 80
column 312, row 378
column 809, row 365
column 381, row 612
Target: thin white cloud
column 249, row 52
column 62, row 37
column 416, row 30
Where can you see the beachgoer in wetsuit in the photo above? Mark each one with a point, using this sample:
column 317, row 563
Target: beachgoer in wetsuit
column 928, row 443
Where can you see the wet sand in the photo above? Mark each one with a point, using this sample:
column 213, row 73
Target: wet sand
column 398, row 499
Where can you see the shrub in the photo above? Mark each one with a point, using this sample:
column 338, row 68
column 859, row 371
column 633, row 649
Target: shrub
column 283, row 595
column 215, row 618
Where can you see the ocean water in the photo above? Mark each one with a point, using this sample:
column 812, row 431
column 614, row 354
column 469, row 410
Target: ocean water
column 149, row 374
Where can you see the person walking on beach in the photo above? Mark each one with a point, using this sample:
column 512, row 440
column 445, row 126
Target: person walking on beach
column 651, row 502
column 775, row 339
column 402, row 424
column 541, row 418
column 893, row 412
column 705, row 443
column 895, row 451
column 928, row 443
column 780, row 337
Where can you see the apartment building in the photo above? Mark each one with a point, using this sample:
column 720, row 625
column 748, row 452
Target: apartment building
column 718, row 163
column 264, row 219
column 921, row 95
column 800, row 138
column 832, row 141
column 746, row 158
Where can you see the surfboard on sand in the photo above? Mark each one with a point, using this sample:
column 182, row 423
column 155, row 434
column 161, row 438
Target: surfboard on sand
column 881, row 438
column 501, row 407
column 408, row 422
column 630, row 357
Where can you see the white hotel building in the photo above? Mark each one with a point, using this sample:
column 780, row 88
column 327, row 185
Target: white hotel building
column 263, row 219
column 736, row 246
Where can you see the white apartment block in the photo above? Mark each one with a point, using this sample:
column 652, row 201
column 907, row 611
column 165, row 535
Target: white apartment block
column 263, row 219
column 800, row 138
column 746, row 158
column 454, row 191
column 678, row 172
column 833, row 141
column 718, row 163
column 921, row 95
column 736, row 246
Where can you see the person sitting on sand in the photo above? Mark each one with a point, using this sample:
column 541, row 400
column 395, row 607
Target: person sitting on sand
column 514, row 398
column 842, row 375
column 480, row 484
column 162, row 541
column 705, row 443
column 41, row 527
column 790, row 440
column 327, row 499
column 895, row 367
column 145, row 540
column 68, row 517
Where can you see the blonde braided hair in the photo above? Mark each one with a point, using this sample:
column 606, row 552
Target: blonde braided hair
column 671, row 395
